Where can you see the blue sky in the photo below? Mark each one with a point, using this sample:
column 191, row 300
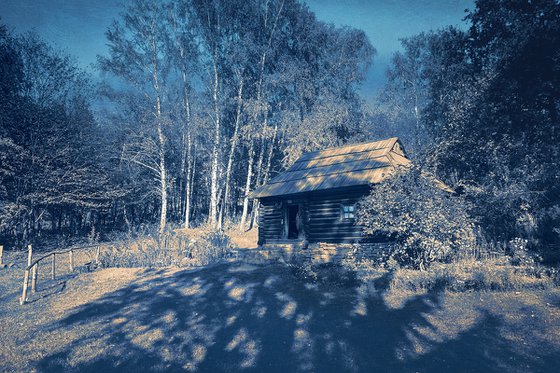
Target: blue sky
column 387, row 21
column 79, row 25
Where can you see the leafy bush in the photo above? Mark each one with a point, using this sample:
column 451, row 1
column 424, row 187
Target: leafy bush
column 427, row 222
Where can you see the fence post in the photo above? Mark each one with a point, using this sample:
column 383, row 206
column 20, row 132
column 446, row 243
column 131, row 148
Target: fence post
column 25, row 283
column 1, row 254
column 29, row 254
column 71, row 261
column 34, row 274
column 53, row 266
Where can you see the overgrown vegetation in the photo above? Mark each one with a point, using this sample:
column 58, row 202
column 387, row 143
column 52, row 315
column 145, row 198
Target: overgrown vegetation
column 181, row 248
column 330, row 274
column 467, row 275
column 478, row 269
column 481, row 106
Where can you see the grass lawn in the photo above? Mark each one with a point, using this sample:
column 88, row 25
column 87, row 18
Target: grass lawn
column 236, row 317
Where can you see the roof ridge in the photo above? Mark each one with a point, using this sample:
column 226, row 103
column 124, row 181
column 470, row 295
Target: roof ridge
column 391, row 156
column 333, row 173
column 338, row 155
column 392, row 142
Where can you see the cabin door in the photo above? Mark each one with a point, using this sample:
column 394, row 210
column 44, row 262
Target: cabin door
column 293, row 221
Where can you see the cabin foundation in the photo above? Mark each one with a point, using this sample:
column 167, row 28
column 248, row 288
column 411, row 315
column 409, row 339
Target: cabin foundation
column 317, row 253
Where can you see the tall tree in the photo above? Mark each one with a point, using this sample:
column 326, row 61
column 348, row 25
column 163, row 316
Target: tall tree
column 48, row 135
column 491, row 104
column 136, row 47
column 184, row 51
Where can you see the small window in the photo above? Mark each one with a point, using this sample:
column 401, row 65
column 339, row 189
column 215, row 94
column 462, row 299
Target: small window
column 348, row 212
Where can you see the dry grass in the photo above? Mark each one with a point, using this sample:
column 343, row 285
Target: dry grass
column 178, row 248
column 247, row 239
column 471, row 270
column 462, row 276
column 468, row 275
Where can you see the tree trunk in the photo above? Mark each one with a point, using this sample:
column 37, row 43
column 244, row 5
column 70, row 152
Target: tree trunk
column 258, row 180
column 188, row 144
column 216, row 147
column 163, row 181
column 266, row 174
column 234, row 139
column 161, row 138
column 188, row 183
column 270, row 154
column 247, row 185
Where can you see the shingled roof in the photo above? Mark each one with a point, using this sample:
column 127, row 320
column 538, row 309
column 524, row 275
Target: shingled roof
column 350, row 165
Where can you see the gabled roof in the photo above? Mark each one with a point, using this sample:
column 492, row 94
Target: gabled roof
column 349, row 165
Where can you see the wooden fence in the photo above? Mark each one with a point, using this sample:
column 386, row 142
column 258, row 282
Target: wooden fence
column 32, row 269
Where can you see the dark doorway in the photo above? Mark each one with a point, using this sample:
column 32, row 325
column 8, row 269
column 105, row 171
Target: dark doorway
column 293, row 224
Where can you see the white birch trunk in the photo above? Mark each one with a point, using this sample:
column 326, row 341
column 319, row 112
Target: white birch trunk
column 270, row 154
column 163, row 171
column 188, row 142
column 161, row 137
column 234, row 139
column 188, row 184
column 258, row 181
column 254, row 212
column 247, row 185
column 215, row 148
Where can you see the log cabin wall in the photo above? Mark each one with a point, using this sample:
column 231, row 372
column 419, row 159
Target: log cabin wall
column 271, row 220
column 323, row 219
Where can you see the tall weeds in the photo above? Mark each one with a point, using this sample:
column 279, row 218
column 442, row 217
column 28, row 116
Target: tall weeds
column 180, row 248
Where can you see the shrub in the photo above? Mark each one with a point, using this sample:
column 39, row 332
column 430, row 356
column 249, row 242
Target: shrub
column 426, row 221
column 209, row 247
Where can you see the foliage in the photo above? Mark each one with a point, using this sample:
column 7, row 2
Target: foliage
column 52, row 165
column 329, row 274
column 427, row 222
column 490, row 102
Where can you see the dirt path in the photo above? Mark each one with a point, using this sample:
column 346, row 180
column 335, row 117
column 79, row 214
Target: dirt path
column 234, row 317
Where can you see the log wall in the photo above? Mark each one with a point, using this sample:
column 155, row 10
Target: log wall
column 270, row 220
column 322, row 216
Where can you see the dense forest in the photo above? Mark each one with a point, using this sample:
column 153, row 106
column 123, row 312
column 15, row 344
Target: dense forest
column 202, row 101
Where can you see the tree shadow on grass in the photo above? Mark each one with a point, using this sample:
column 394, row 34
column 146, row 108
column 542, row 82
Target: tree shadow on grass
column 238, row 318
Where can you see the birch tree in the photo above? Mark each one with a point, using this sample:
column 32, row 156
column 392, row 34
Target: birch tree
column 269, row 19
column 136, row 45
column 184, row 51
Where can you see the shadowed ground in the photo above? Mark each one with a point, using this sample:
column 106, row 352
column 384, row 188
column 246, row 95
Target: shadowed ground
column 236, row 317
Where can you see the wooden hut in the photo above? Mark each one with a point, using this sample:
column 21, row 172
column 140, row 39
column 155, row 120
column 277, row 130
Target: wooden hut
column 315, row 199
